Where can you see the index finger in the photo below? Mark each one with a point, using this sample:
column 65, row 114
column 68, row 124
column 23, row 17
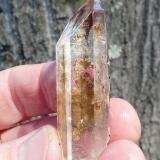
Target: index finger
column 26, row 91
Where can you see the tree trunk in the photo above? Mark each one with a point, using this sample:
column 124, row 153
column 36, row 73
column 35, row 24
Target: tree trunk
column 29, row 30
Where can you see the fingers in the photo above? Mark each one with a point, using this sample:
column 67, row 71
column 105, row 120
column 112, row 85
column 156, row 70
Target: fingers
column 26, row 91
column 123, row 121
column 22, row 130
column 41, row 144
column 122, row 150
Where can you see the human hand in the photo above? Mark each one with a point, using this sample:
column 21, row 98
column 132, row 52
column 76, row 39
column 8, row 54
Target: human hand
column 29, row 91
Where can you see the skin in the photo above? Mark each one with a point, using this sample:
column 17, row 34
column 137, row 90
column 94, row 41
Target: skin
column 28, row 91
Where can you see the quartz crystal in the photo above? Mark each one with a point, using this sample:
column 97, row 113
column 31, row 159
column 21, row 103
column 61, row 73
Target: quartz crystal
column 83, row 84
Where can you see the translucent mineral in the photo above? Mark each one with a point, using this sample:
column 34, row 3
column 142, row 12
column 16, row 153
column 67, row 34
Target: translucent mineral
column 83, row 84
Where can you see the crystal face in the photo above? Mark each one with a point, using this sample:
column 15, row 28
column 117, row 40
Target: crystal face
column 83, row 84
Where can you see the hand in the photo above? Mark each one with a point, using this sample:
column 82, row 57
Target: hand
column 29, row 91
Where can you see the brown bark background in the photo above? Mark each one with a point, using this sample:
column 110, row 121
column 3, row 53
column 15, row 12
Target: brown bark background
column 29, row 30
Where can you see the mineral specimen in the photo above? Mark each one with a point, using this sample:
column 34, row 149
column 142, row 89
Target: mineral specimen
column 83, row 84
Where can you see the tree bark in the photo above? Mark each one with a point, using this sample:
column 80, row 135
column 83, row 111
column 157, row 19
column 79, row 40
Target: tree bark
column 136, row 72
column 29, row 30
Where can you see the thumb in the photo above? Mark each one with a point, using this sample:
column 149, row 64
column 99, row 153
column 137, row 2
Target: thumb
column 41, row 144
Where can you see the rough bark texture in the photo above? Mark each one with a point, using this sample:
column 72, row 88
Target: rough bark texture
column 29, row 30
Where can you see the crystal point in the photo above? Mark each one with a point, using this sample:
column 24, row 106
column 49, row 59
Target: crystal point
column 83, row 84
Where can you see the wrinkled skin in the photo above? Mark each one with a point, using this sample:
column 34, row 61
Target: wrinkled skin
column 28, row 91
